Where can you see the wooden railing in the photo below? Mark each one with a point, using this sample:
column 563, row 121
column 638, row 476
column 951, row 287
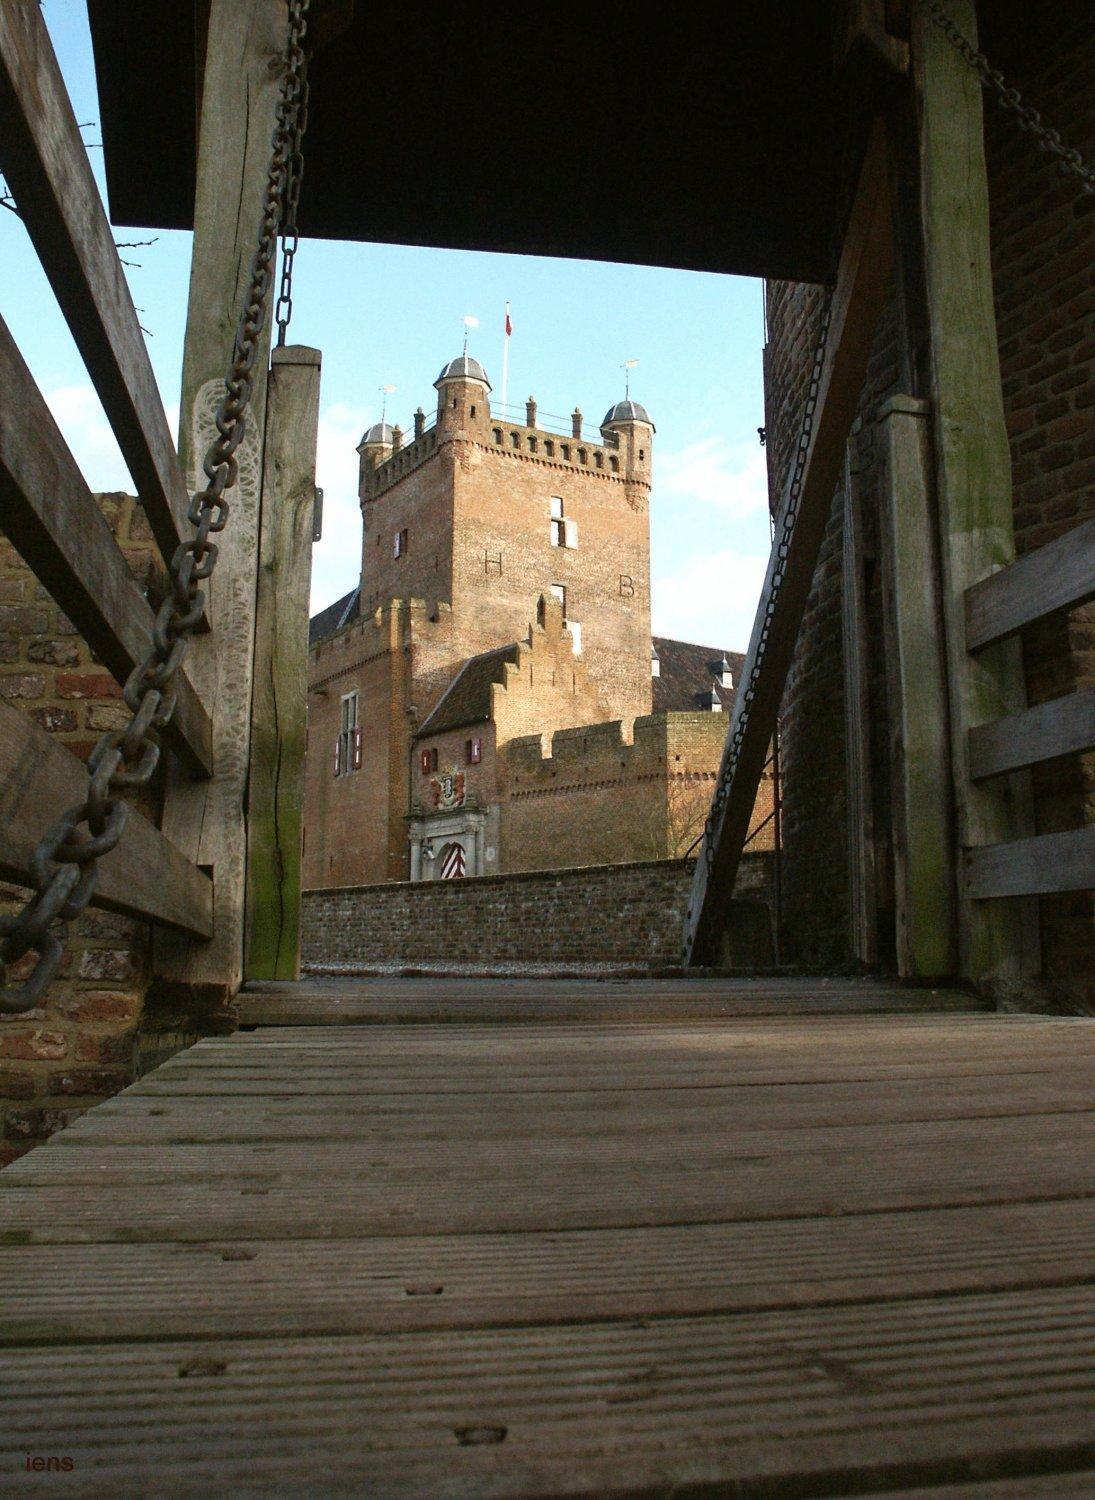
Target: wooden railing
column 50, row 514
column 1058, row 576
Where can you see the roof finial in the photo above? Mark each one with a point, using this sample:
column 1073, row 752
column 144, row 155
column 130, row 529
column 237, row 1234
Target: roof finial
column 627, row 367
column 385, row 392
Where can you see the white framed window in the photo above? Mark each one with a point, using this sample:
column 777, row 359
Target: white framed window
column 556, row 507
column 570, row 533
column 575, row 635
column 560, row 592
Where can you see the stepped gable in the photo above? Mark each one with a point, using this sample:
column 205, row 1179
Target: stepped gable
column 467, row 699
column 687, row 673
column 342, row 612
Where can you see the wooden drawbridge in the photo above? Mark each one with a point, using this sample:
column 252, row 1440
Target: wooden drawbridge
column 419, row 1238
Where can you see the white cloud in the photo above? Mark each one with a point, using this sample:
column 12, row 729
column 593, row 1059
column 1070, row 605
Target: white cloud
column 710, row 598
column 336, row 559
column 87, row 432
column 731, row 477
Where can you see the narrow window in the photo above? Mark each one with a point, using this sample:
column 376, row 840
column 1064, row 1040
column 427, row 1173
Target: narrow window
column 560, row 592
column 566, row 451
column 532, row 445
column 399, row 543
column 599, row 460
column 557, row 523
column 515, row 439
column 582, row 455
column 473, row 411
column 497, row 434
column 549, row 448
column 474, row 750
column 614, row 465
column 348, row 749
column 428, row 761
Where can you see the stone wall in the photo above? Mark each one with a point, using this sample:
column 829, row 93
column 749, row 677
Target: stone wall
column 627, row 915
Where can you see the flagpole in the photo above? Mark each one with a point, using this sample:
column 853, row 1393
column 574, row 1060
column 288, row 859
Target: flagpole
column 505, row 363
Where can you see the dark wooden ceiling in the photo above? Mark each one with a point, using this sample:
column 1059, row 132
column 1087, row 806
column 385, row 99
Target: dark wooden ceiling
column 701, row 136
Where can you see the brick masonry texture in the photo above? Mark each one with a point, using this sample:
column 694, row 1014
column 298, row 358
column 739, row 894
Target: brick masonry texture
column 96, row 1026
column 631, row 914
column 1043, row 257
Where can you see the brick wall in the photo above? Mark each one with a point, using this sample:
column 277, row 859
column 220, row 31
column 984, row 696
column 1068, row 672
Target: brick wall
column 1043, row 250
column 620, row 914
column 95, row 1027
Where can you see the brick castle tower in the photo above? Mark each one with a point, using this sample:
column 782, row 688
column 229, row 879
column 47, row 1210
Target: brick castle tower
column 504, row 600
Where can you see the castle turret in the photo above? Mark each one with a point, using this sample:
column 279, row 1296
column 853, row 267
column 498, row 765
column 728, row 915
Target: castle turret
column 374, row 448
column 627, row 425
column 463, row 397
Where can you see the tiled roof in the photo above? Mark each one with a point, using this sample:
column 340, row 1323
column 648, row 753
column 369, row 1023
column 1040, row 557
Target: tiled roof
column 334, row 617
column 688, row 672
column 466, row 700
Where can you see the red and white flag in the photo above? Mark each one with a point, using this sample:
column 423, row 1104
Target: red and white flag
column 509, row 322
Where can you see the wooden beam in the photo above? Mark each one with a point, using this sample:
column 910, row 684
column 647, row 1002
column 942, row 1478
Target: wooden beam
column 862, row 871
column 45, row 162
column 52, row 517
column 1062, row 726
column 862, row 282
column 243, row 68
column 923, row 835
column 1043, row 865
column 1060, row 575
column 275, row 788
column 145, row 876
column 972, row 464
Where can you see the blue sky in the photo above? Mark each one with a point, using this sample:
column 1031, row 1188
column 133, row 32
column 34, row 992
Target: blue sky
column 391, row 315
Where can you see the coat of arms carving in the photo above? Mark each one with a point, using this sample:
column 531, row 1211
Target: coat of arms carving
column 448, row 789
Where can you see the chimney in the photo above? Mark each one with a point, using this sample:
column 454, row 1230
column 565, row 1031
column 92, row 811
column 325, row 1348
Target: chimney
column 419, row 422
column 530, row 413
column 576, row 422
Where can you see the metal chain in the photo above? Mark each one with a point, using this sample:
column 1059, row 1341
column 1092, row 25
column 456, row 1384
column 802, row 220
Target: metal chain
column 63, row 866
column 782, row 549
column 290, row 234
column 1070, row 162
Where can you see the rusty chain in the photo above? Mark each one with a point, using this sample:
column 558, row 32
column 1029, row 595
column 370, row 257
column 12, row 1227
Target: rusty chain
column 63, row 866
column 782, row 549
column 290, row 234
column 1069, row 160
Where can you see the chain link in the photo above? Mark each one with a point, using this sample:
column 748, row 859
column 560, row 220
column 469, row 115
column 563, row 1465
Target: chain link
column 781, row 549
column 290, row 235
column 63, row 866
column 1069, row 160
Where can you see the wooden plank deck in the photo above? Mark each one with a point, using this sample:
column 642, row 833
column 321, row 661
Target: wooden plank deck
column 839, row 1247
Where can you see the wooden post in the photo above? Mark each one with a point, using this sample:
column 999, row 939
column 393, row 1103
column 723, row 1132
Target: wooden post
column 862, row 894
column 243, row 65
column 972, row 460
column 923, row 836
column 275, row 797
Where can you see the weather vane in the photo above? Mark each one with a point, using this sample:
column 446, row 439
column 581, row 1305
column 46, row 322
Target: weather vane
column 385, row 392
column 627, row 367
column 469, row 323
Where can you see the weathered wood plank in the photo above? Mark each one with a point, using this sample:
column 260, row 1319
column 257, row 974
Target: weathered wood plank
column 862, row 281
column 924, row 856
column 392, row 1284
column 145, row 876
column 1059, row 575
column 279, row 703
column 45, row 162
column 810, row 1401
column 242, row 71
column 1062, row 726
column 1038, row 866
column 972, row 467
column 51, row 517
